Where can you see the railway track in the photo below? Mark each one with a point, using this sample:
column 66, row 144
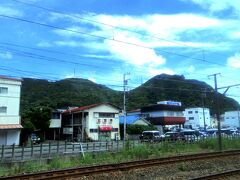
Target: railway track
column 226, row 174
column 84, row 171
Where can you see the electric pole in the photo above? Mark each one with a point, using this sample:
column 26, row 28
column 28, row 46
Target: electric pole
column 217, row 111
column 203, row 108
column 125, row 82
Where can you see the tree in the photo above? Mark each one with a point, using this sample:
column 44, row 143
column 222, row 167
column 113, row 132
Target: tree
column 37, row 119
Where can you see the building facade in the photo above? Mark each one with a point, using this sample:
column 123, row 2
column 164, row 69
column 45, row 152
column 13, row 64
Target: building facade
column 98, row 122
column 197, row 118
column 10, row 124
column 164, row 114
column 231, row 119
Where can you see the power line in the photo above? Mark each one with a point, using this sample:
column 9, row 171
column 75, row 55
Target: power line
column 106, row 38
column 97, row 22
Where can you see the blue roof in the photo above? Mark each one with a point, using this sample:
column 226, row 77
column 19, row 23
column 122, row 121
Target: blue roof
column 130, row 119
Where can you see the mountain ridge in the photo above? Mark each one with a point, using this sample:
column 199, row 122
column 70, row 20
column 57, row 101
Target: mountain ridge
column 81, row 92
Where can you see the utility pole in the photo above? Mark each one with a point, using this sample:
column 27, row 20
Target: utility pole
column 217, row 111
column 125, row 82
column 203, row 97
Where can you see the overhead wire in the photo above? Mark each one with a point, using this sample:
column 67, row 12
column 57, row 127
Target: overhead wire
column 110, row 39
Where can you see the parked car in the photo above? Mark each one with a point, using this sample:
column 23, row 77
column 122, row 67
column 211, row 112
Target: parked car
column 35, row 139
column 150, row 136
column 174, row 136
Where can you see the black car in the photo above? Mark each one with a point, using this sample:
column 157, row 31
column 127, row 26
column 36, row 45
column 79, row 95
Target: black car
column 174, row 136
column 150, row 136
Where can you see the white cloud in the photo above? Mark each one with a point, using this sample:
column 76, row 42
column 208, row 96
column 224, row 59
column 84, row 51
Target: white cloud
column 44, row 44
column 10, row 11
column 67, row 43
column 92, row 79
column 191, row 69
column 218, row 5
column 6, row 55
column 234, row 61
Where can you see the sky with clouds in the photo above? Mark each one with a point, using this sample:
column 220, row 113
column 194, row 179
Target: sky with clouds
column 102, row 40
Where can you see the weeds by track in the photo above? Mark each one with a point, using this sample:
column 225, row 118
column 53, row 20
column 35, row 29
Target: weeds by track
column 84, row 171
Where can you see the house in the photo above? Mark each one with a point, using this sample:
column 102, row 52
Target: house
column 10, row 124
column 197, row 117
column 164, row 114
column 56, row 123
column 231, row 119
column 98, row 122
column 134, row 117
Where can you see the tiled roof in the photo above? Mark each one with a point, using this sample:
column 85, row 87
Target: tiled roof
column 88, row 107
column 10, row 126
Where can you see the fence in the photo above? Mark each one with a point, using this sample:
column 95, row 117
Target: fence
column 47, row 150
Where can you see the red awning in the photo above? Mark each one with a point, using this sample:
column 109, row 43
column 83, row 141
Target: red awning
column 105, row 128
column 11, row 126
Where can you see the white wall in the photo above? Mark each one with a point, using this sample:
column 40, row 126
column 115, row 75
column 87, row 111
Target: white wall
column 196, row 118
column 13, row 137
column 231, row 119
column 92, row 121
column 11, row 100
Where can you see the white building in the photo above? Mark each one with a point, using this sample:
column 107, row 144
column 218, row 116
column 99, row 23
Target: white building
column 231, row 119
column 197, row 117
column 9, row 110
column 97, row 122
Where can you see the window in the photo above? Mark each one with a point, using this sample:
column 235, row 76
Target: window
column 96, row 115
column 191, row 118
column 93, row 130
column 3, row 109
column 104, row 121
column 98, row 121
column 189, row 112
column 196, row 111
column 3, row 90
column 115, row 129
column 110, row 121
column 106, row 115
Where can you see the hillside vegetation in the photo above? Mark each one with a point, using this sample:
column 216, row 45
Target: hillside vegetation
column 80, row 92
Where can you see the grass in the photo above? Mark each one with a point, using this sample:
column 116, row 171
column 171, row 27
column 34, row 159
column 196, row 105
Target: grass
column 142, row 151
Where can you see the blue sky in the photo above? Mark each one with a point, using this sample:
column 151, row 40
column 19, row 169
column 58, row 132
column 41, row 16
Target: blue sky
column 102, row 40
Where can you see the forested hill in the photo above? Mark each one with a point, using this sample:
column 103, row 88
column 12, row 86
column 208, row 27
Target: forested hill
column 79, row 92
column 64, row 93
column 177, row 88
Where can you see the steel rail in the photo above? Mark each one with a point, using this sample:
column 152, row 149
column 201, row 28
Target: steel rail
column 90, row 170
column 224, row 174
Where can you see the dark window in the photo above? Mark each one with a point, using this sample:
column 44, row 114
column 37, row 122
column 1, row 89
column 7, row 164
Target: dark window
column 189, row 112
column 196, row 111
column 93, row 130
column 115, row 129
column 3, row 109
column 191, row 118
column 106, row 115
column 3, row 90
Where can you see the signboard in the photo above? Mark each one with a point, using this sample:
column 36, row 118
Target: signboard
column 172, row 103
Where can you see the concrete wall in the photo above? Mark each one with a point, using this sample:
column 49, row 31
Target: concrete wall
column 11, row 100
column 9, row 137
column 231, row 119
column 92, row 120
column 196, row 118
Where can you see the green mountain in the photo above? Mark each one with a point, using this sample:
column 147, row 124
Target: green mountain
column 64, row 93
column 80, row 92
